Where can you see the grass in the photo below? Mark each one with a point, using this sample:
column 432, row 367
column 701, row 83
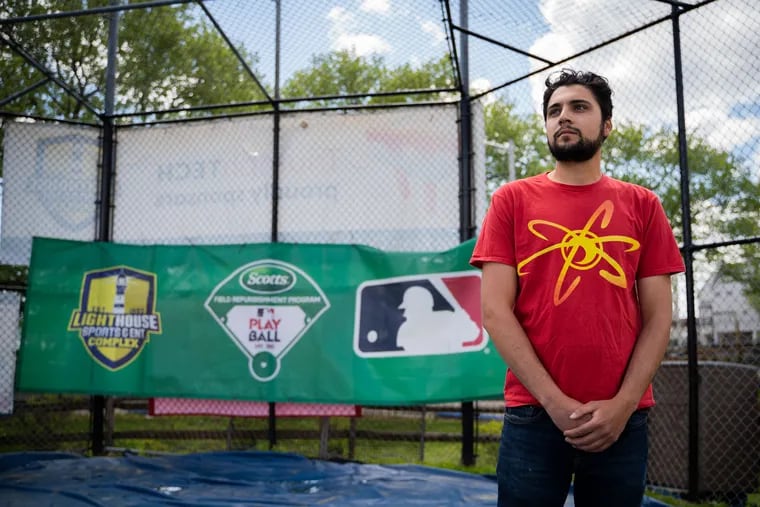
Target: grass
column 753, row 500
column 31, row 429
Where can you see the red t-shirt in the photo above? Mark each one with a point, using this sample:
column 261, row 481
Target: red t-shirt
column 578, row 251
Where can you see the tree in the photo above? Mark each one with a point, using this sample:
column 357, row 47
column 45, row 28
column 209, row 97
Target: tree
column 524, row 132
column 346, row 73
column 183, row 62
column 336, row 74
column 634, row 153
column 432, row 75
column 718, row 180
column 167, row 58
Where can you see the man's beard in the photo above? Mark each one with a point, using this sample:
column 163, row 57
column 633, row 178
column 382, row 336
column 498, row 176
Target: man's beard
column 580, row 151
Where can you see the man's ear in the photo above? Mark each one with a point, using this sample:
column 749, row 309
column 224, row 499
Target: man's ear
column 607, row 128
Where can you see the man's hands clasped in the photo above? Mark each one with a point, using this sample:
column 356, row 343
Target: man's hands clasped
column 592, row 426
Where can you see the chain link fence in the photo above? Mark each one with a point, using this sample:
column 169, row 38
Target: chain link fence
column 353, row 171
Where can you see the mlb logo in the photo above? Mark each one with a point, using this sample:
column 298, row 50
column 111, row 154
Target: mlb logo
column 419, row 315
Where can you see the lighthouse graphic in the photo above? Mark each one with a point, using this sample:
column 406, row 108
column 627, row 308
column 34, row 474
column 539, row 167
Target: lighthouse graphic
column 120, row 293
column 116, row 314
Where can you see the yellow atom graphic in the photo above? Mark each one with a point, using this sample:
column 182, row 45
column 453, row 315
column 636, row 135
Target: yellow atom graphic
column 582, row 250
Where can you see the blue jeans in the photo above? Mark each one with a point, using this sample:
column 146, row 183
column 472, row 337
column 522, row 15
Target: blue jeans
column 536, row 466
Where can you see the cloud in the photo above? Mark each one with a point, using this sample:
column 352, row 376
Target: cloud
column 345, row 36
column 378, row 6
column 361, row 44
column 341, row 18
column 717, row 52
column 625, row 63
column 434, row 29
column 480, row 85
column 720, row 130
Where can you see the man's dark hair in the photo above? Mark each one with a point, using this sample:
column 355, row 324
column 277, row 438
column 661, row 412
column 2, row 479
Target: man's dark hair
column 594, row 82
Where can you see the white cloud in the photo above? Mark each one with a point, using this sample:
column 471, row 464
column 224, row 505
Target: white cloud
column 341, row 18
column 482, row 84
column 345, row 36
column 716, row 51
column 361, row 44
column 434, row 29
column 378, row 6
column 720, row 130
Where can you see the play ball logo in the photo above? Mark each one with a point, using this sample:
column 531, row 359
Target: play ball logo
column 116, row 315
column 266, row 307
column 267, row 279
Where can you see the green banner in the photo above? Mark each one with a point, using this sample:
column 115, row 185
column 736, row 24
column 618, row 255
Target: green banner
column 268, row 322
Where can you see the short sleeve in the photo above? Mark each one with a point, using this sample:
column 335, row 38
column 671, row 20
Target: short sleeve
column 495, row 242
column 660, row 254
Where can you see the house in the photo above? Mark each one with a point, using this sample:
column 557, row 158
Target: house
column 726, row 316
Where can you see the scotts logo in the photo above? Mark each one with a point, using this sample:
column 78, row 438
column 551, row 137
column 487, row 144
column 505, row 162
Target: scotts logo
column 267, row 279
column 266, row 307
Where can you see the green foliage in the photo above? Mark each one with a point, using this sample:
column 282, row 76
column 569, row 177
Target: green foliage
column 718, row 181
column 435, row 74
column 525, row 132
column 338, row 73
column 724, row 197
column 748, row 272
column 167, row 58
column 345, row 73
column 13, row 276
column 170, row 58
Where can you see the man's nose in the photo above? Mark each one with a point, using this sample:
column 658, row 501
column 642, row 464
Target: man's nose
column 565, row 116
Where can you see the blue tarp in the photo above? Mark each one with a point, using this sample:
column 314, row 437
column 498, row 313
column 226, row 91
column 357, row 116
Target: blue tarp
column 249, row 478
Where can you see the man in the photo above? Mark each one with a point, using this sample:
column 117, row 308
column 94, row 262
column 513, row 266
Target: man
column 576, row 297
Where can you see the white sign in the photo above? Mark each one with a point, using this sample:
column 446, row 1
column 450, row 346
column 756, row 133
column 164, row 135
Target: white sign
column 9, row 343
column 50, row 186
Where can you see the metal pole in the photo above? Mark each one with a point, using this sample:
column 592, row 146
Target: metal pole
column 276, row 129
column 98, row 403
column 688, row 254
column 107, row 166
column 275, row 179
column 509, row 149
column 466, row 229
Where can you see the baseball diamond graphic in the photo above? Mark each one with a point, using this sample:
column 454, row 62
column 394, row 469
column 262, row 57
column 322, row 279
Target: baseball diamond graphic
column 266, row 307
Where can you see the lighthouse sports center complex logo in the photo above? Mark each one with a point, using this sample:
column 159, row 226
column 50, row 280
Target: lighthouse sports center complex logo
column 419, row 316
column 266, row 307
column 116, row 314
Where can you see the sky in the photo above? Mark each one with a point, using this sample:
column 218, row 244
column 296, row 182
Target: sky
column 722, row 97
column 719, row 52
column 722, row 94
